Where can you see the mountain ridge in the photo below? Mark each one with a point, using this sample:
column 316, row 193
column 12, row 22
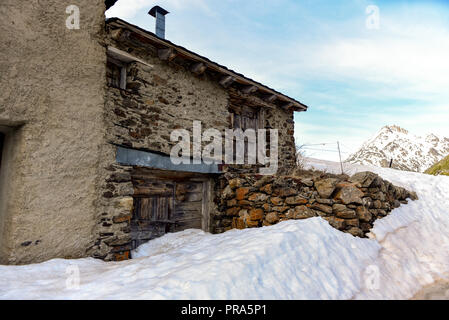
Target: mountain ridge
column 409, row 152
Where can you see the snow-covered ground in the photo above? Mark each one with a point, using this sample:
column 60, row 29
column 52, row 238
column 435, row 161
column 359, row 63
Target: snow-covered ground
column 304, row 259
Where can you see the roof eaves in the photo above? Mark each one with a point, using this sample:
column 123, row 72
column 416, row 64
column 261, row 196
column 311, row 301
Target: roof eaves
column 298, row 105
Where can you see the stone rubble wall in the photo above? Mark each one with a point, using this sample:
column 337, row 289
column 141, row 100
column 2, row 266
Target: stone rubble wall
column 156, row 102
column 350, row 204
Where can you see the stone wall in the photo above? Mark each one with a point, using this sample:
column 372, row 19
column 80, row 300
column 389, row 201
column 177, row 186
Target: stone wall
column 157, row 101
column 169, row 96
column 350, row 204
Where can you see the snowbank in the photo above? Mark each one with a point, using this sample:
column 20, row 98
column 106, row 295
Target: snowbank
column 304, row 259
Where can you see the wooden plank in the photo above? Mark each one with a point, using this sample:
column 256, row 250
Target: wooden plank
column 226, row 81
column 188, row 206
column 123, row 78
column 271, row 98
column 198, row 68
column 205, row 210
column 167, row 54
column 249, row 89
column 193, row 196
column 183, row 225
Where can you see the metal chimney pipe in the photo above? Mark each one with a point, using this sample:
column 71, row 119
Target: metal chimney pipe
column 159, row 13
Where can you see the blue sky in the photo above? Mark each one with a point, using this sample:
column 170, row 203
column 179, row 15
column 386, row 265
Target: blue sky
column 354, row 79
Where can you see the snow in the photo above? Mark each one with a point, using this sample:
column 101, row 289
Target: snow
column 304, row 259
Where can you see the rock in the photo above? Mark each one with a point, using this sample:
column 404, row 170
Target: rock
column 366, row 227
column 241, row 193
column 396, row 204
column 337, row 223
column 276, row 201
column 302, row 212
column 266, row 207
column 379, row 196
column 256, row 214
column 281, row 209
column 349, row 193
column 252, row 223
column 325, row 201
column 287, row 192
column 227, row 192
column 377, row 183
column 341, row 211
column 413, row 196
column 377, row 204
column 365, row 179
column 272, row 217
column 243, row 213
column 290, row 214
column 244, row 203
column 238, row 223
column 363, row 214
column 307, row 182
column 263, row 181
column 268, row 189
column 296, row 200
column 233, row 211
column 125, row 203
column 352, row 222
column 326, row 187
column 322, row 207
column 356, row 232
column 382, row 213
column 258, row 197
column 367, row 202
column 122, row 218
column 235, row 183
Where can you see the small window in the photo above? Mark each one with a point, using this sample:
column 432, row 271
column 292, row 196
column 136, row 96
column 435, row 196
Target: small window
column 116, row 74
column 245, row 118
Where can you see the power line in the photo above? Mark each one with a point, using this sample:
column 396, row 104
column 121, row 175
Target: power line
column 327, row 150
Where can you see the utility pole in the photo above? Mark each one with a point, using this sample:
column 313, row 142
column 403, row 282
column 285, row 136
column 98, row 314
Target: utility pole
column 339, row 153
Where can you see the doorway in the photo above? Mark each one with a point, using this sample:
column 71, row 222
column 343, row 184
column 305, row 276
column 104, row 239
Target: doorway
column 164, row 203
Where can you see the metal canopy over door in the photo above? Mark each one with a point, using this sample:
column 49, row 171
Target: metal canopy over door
column 162, row 206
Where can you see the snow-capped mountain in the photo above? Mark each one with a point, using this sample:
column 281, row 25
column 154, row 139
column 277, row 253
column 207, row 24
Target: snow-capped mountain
column 409, row 152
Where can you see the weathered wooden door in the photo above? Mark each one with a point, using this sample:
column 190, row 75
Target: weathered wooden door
column 163, row 206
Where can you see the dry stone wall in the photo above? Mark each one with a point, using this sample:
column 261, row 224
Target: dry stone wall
column 350, row 204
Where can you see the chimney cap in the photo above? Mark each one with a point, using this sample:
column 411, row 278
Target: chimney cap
column 155, row 9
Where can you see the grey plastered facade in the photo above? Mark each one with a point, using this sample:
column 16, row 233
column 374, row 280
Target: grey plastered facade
column 74, row 102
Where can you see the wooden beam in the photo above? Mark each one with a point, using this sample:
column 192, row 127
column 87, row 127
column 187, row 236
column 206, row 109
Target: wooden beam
column 249, row 89
column 123, row 78
column 226, row 81
column 167, row 54
column 198, row 68
column 271, row 98
column 115, row 34
column 287, row 106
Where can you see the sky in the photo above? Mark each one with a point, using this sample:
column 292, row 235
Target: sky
column 359, row 65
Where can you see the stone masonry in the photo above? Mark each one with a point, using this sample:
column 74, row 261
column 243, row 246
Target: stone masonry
column 350, row 204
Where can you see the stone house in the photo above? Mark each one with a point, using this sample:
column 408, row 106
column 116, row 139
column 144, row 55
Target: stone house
column 86, row 117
